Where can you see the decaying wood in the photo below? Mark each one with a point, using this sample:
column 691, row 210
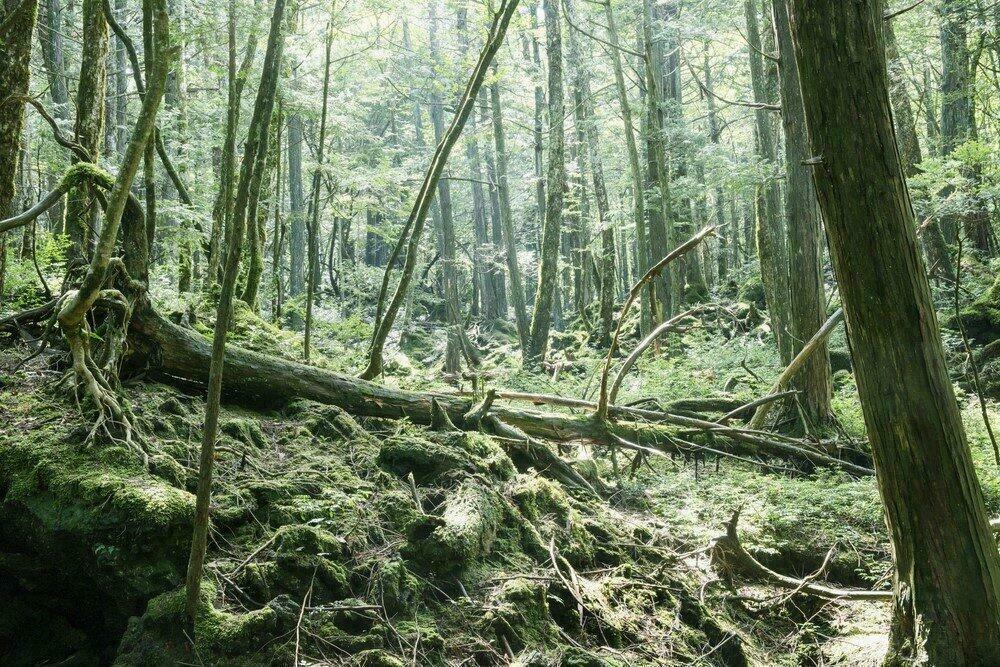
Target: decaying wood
column 731, row 559
column 181, row 355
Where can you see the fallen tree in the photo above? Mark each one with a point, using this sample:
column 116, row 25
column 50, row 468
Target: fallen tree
column 178, row 355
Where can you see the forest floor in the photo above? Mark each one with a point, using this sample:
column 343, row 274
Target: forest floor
column 371, row 542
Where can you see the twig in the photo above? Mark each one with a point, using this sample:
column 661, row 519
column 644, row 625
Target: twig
column 797, row 363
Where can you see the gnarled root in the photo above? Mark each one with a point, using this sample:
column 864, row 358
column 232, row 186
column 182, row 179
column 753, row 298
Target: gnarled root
column 92, row 378
column 730, row 559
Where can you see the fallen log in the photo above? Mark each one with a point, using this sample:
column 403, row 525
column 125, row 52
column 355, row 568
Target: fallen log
column 171, row 353
column 730, row 558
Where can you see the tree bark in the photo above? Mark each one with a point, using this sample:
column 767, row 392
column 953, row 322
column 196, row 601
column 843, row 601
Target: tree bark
column 947, row 580
column 643, row 260
column 931, row 237
column 82, row 211
column 15, row 57
column 507, row 217
column 808, row 298
column 770, row 237
column 541, row 318
column 254, row 154
column 418, row 214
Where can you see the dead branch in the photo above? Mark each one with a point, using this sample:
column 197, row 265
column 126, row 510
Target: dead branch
column 730, row 558
column 797, row 363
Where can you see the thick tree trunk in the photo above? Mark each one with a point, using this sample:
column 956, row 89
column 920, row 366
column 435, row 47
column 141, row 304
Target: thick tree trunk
column 947, row 567
column 541, row 317
column 15, row 56
column 82, row 211
column 808, row 299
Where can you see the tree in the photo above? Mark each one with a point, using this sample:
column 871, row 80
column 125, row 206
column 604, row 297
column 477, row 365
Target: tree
column 18, row 22
column 807, row 310
column 418, row 214
column 507, row 216
column 254, row 153
column 82, row 212
column 541, row 316
column 769, row 233
column 947, row 577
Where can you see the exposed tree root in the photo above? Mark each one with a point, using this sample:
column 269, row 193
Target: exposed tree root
column 730, row 559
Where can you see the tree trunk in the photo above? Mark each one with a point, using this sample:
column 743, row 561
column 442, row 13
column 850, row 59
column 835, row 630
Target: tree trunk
column 931, row 236
column 254, row 155
column 947, row 580
column 635, row 170
column 958, row 122
column 507, row 218
column 418, row 214
column 15, row 56
column 714, row 132
column 808, row 299
column 82, row 211
column 770, row 237
column 317, row 180
column 446, row 242
column 607, row 272
column 541, row 318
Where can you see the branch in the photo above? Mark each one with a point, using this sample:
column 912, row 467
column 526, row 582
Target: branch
column 729, row 555
column 602, row 404
column 665, row 327
column 893, row 14
column 796, row 365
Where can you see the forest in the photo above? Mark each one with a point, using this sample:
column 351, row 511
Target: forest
column 548, row 333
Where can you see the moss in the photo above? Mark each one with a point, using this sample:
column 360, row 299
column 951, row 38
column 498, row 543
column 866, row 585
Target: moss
column 157, row 637
column 546, row 505
column 303, row 556
column 394, row 586
column 433, row 456
column 518, row 612
column 245, row 431
column 375, row 658
column 464, row 532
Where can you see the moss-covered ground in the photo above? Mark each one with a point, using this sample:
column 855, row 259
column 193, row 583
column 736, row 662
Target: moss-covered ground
column 384, row 543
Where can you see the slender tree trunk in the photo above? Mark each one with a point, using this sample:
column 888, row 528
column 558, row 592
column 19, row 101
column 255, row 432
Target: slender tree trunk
column 496, row 273
column 947, row 580
column 418, row 214
column 82, row 211
column 808, row 299
column 317, row 180
column 635, row 169
column 507, row 217
column 446, row 231
column 723, row 232
column 660, row 239
column 296, row 214
column 541, row 318
column 769, row 234
column 254, row 154
column 931, row 236
column 538, row 135
column 958, row 122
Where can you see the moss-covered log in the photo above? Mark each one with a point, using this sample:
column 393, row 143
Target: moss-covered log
column 180, row 355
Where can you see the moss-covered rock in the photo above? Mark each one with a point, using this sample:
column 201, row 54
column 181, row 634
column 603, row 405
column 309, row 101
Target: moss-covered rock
column 518, row 613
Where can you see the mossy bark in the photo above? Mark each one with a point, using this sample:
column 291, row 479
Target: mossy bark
column 807, row 310
column 15, row 55
column 541, row 317
column 947, row 578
